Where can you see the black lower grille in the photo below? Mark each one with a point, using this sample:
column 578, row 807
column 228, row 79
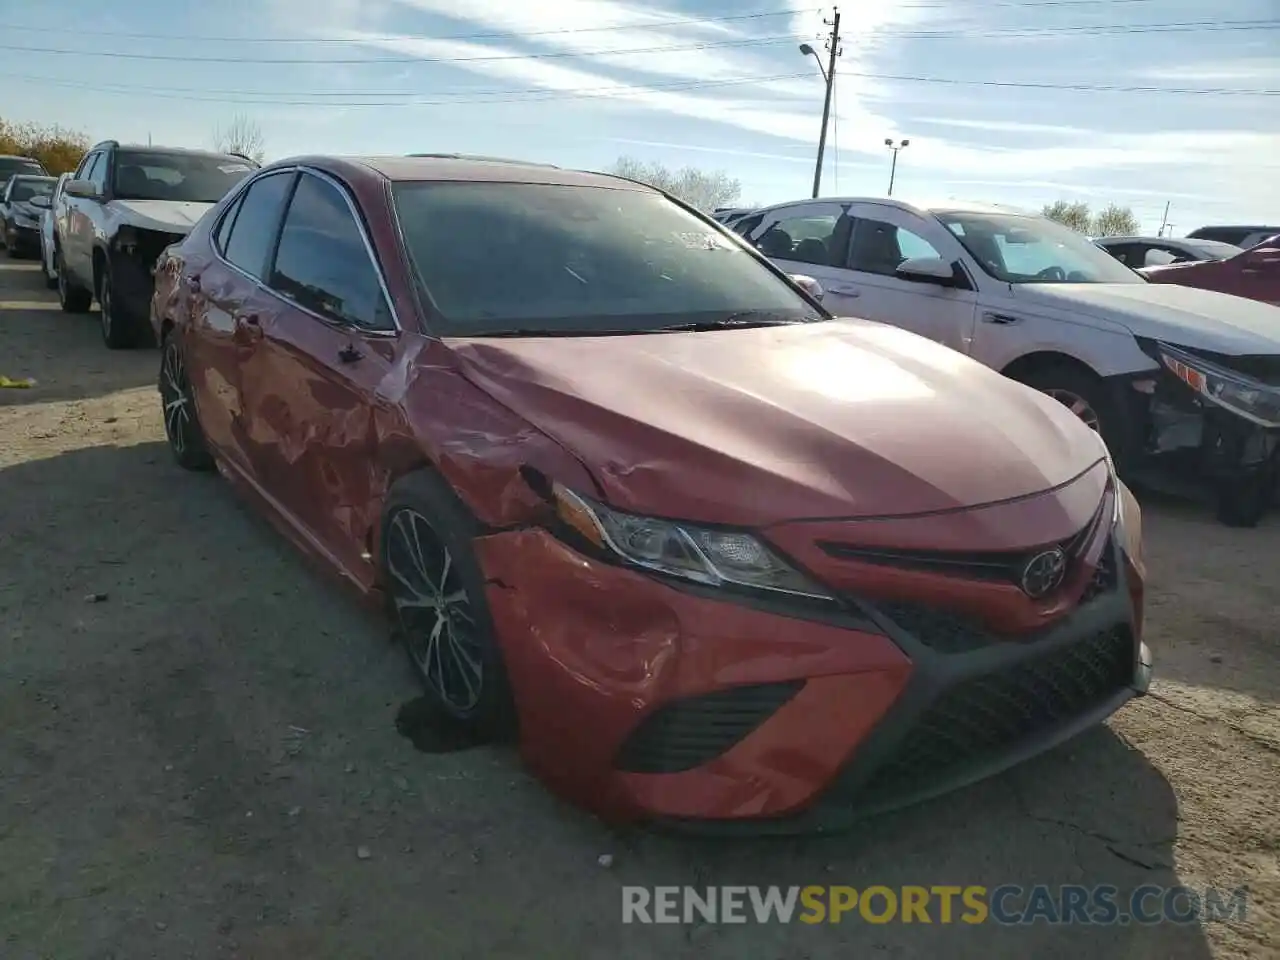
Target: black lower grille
column 940, row 630
column 982, row 717
column 688, row 733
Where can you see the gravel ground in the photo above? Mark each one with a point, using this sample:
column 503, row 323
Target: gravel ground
column 198, row 752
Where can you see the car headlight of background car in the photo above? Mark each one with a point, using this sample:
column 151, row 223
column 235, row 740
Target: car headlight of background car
column 714, row 557
column 1242, row 395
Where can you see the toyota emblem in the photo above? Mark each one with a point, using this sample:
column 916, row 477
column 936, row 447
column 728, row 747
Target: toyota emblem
column 1044, row 573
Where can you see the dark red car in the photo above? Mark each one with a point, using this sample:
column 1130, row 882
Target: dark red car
column 1253, row 274
column 630, row 492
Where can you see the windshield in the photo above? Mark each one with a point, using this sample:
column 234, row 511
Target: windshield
column 25, row 188
column 179, row 177
column 533, row 258
column 1029, row 249
column 1215, row 250
column 12, row 165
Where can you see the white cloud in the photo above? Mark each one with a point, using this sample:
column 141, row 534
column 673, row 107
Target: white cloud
column 1188, row 163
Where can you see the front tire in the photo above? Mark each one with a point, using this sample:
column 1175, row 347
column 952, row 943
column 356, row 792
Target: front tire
column 181, row 423
column 436, row 596
column 71, row 298
column 1086, row 395
column 117, row 325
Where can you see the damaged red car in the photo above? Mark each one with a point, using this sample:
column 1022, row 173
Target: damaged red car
column 716, row 558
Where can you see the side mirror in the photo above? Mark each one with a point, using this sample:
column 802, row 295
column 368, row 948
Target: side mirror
column 927, row 270
column 809, row 285
column 41, row 201
column 81, row 188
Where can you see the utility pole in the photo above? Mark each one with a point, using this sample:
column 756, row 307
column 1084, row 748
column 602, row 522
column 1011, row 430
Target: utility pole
column 833, row 46
column 1164, row 221
column 895, row 148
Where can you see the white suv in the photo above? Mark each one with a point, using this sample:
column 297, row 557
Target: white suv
column 1162, row 372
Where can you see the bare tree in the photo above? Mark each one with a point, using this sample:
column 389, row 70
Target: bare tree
column 1073, row 215
column 242, row 136
column 704, row 189
column 1115, row 221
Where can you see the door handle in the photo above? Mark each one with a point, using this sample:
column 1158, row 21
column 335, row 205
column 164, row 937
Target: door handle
column 192, row 281
column 1000, row 319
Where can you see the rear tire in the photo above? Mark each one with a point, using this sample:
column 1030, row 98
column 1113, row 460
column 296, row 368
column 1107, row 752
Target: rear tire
column 436, row 598
column 71, row 298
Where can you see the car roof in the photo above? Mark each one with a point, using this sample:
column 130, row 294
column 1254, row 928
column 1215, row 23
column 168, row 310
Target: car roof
column 923, row 209
column 1137, row 239
column 32, row 176
column 159, row 149
column 17, row 156
column 456, row 167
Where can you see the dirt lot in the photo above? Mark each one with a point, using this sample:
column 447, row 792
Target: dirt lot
column 197, row 739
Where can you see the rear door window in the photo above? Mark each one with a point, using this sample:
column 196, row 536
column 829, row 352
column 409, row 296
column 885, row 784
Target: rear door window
column 255, row 222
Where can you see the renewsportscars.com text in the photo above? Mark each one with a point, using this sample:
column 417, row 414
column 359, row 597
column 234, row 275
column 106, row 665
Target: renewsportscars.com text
column 1008, row 904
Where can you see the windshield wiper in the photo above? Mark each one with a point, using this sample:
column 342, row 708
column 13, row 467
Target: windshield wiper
column 741, row 319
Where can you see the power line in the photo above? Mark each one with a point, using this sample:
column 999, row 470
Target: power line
column 537, row 94
column 184, row 58
column 471, row 97
column 1206, row 26
column 1125, row 29
column 1083, row 87
column 684, row 21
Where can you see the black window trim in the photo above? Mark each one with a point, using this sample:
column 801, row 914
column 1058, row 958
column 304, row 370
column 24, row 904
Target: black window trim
column 232, row 202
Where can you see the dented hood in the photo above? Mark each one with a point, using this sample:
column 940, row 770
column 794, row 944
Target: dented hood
column 760, row 425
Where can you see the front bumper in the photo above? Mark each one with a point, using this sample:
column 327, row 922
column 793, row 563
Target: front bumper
column 133, row 258
column 639, row 699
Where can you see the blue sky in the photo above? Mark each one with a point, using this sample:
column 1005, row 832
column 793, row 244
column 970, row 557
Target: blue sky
column 706, row 83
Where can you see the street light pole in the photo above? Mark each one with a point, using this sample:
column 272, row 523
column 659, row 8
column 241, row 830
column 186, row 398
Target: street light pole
column 893, row 167
column 829, row 75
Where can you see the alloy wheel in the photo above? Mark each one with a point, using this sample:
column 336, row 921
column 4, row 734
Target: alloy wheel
column 1077, row 405
column 175, row 394
column 435, row 612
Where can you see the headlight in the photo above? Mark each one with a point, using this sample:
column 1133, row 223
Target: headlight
column 702, row 555
column 1243, row 396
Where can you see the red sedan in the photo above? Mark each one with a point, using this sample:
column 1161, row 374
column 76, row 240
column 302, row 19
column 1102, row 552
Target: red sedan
column 629, row 492
column 1253, row 274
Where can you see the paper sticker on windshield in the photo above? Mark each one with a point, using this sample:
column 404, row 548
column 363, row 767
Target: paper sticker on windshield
column 234, row 168
column 699, row 241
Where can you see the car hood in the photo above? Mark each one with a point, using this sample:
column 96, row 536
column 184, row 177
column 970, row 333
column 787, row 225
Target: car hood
column 1169, row 312
column 167, row 215
column 844, row 419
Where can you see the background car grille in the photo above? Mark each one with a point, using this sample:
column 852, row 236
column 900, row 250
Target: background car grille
column 687, row 733
column 987, row 715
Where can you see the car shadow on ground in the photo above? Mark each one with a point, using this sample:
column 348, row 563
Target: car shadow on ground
column 81, row 368
column 200, row 730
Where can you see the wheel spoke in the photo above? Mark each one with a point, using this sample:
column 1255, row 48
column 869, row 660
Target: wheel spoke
column 419, row 599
